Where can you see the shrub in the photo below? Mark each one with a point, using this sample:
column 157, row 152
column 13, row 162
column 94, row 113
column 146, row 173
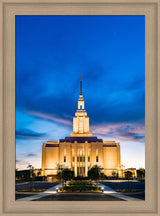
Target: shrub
column 80, row 183
column 79, row 187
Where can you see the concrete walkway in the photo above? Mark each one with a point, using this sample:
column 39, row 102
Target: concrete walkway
column 107, row 190
column 22, row 183
column 48, row 192
column 111, row 192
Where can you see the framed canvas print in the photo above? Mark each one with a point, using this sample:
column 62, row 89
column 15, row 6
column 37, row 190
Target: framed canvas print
column 79, row 107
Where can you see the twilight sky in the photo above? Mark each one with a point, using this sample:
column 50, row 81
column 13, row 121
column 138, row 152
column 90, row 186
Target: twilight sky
column 51, row 54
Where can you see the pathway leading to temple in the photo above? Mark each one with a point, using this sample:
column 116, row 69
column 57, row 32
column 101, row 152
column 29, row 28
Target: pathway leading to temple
column 51, row 194
column 111, row 192
column 48, row 192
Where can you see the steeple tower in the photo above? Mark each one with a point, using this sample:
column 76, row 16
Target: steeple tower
column 81, row 85
column 81, row 101
column 81, row 120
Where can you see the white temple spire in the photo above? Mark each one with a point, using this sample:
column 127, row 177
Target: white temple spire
column 81, row 120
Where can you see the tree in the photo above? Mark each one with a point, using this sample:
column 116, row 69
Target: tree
column 102, row 176
column 67, row 174
column 128, row 176
column 60, row 167
column 38, row 173
column 32, row 176
column 64, row 174
column 17, row 175
column 114, row 174
column 95, row 173
column 141, row 174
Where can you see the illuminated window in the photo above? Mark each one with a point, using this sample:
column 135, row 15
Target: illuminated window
column 73, row 159
column 80, row 159
column 80, row 126
column 96, row 155
column 89, row 155
column 96, row 158
column 64, row 155
column 78, row 171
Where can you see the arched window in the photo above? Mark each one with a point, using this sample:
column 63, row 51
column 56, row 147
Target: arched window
column 64, row 155
column 96, row 155
column 80, row 126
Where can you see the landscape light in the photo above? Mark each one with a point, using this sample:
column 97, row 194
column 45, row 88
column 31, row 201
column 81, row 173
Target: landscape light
column 102, row 188
column 57, row 188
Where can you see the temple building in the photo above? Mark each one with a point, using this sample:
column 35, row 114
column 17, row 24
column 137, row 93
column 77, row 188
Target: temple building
column 80, row 151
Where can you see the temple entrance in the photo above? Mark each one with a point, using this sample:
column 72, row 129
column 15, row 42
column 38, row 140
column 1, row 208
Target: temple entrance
column 81, row 171
column 81, row 163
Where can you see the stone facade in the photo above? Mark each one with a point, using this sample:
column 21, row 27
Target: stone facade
column 81, row 150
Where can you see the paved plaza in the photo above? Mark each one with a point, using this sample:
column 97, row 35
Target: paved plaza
column 50, row 194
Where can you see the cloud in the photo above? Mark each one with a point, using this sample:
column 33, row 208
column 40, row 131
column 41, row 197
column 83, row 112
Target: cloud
column 22, row 163
column 123, row 131
column 18, row 161
column 31, row 155
column 47, row 74
column 106, row 99
column 28, row 134
column 50, row 117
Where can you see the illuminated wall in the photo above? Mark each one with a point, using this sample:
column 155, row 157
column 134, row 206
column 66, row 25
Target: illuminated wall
column 76, row 155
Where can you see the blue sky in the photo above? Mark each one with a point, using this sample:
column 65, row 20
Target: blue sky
column 51, row 54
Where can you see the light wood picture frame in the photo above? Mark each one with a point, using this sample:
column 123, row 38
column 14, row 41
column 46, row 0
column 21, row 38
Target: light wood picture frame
column 8, row 10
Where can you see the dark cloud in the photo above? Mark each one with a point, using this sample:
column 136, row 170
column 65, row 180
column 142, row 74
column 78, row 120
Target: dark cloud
column 29, row 134
column 132, row 136
column 138, row 136
column 49, row 63
column 18, row 161
column 31, row 155
column 102, row 109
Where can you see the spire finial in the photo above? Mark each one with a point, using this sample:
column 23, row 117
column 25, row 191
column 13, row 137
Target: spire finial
column 81, row 85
